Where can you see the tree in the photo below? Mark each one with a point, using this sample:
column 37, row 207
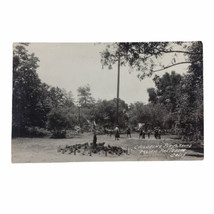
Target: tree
column 151, row 115
column 190, row 104
column 85, row 106
column 62, row 115
column 27, row 92
column 166, row 92
column 153, row 97
column 85, row 98
column 36, row 104
column 104, row 112
column 57, row 123
column 146, row 56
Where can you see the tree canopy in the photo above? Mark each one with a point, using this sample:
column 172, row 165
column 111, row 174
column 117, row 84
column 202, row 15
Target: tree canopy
column 84, row 94
column 27, row 90
column 147, row 57
column 167, row 91
column 36, row 104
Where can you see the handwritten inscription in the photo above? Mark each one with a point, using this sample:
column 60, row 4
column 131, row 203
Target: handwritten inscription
column 171, row 150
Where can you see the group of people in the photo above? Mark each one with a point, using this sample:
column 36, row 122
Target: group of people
column 157, row 133
column 142, row 133
column 117, row 133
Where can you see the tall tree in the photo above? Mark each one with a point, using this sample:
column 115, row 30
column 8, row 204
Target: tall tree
column 166, row 92
column 190, row 104
column 62, row 115
column 27, row 91
column 85, row 98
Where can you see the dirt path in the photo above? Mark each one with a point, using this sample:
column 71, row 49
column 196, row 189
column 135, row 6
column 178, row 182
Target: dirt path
column 34, row 150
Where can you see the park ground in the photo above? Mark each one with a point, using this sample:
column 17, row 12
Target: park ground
column 36, row 150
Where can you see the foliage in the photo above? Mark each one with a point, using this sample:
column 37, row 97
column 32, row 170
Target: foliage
column 146, row 56
column 35, row 104
column 57, row 123
column 175, row 100
column 62, row 116
column 37, row 132
column 105, row 113
column 85, row 98
column 166, row 92
column 152, row 115
column 27, row 92
column 153, row 97
column 190, row 104
column 183, row 95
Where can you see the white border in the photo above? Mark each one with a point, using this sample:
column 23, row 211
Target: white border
column 127, row 187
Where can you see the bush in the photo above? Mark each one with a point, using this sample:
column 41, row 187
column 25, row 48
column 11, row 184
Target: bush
column 36, row 132
column 58, row 134
column 57, row 123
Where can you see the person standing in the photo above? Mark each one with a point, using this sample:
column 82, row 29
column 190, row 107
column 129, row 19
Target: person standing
column 159, row 133
column 117, row 133
column 93, row 128
column 148, row 133
column 128, row 132
column 140, row 133
column 156, row 133
column 144, row 134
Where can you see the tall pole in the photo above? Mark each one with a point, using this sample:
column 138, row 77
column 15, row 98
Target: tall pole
column 118, row 88
column 79, row 116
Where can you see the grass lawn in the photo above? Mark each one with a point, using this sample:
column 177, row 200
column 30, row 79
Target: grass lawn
column 34, row 150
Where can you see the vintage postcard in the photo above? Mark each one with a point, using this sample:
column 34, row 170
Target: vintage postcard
column 128, row 101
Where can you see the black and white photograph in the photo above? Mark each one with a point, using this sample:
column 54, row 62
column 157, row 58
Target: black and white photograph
column 106, row 107
column 122, row 101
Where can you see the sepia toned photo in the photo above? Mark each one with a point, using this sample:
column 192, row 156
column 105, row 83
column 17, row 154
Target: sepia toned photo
column 128, row 101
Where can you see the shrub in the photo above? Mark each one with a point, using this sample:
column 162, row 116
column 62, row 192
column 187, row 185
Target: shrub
column 57, row 123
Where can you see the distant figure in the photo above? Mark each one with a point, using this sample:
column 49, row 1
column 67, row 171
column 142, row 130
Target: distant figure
column 128, row 132
column 140, row 133
column 117, row 133
column 93, row 129
column 156, row 133
column 148, row 133
column 95, row 140
column 159, row 133
column 110, row 132
column 144, row 134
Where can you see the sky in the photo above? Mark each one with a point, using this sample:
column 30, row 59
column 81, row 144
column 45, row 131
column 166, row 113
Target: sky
column 71, row 65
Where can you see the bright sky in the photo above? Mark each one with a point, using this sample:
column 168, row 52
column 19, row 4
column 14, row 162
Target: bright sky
column 70, row 65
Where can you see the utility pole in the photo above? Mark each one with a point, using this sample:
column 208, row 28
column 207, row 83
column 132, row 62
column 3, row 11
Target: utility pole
column 79, row 116
column 118, row 89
